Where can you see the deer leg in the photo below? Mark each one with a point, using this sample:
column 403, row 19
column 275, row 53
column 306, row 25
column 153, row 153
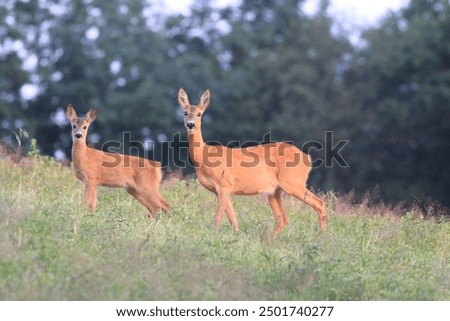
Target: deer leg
column 90, row 195
column 158, row 201
column 154, row 198
column 280, row 204
column 153, row 192
column 143, row 200
column 220, row 211
column 163, row 205
column 231, row 215
column 318, row 205
column 303, row 194
column 225, row 205
column 278, row 211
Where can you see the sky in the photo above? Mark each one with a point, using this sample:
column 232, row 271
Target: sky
column 362, row 13
column 351, row 16
column 350, row 13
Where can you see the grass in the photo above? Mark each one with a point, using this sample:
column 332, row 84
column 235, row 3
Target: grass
column 51, row 248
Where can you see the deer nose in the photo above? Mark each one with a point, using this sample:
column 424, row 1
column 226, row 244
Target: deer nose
column 78, row 135
column 191, row 125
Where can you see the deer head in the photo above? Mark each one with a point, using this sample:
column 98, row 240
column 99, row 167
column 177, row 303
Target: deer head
column 80, row 125
column 193, row 113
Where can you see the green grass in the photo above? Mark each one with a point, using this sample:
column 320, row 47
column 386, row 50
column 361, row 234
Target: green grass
column 51, row 248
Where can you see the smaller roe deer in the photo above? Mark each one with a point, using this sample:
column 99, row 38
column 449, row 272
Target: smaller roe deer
column 140, row 177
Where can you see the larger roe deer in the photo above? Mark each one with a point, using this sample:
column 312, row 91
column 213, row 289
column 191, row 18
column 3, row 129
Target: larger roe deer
column 269, row 168
column 140, row 177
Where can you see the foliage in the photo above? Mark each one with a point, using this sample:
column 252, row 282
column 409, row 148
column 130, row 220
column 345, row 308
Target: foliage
column 53, row 249
column 406, row 109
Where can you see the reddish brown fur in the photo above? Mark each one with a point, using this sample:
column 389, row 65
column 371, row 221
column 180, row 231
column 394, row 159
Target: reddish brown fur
column 140, row 177
column 248, row 171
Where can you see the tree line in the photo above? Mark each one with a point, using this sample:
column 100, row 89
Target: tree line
column 274, row 73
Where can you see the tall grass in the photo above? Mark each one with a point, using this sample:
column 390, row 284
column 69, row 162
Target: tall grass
column 51, row 248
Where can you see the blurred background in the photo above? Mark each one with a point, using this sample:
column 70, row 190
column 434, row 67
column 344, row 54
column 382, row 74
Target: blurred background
column 295, row 68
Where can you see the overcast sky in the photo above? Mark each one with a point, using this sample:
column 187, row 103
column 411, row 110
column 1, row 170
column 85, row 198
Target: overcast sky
column 350, row 12
column 351, row 15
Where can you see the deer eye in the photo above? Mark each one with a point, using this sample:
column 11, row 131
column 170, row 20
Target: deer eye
column 199, row 114
column 185, row 113
column 74, row 126
column 84, row 127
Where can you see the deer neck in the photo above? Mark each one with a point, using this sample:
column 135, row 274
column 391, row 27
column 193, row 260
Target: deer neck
column 196, row 147
column 79, row 150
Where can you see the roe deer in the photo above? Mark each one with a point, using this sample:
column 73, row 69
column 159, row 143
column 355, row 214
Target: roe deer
column 140, row 177
column 269, row 168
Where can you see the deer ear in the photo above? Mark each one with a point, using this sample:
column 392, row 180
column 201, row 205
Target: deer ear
column 71, row 114
column 183, row 99
column 205, row 99
column 91, row 114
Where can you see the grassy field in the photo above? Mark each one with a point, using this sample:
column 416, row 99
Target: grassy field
column 52, row 249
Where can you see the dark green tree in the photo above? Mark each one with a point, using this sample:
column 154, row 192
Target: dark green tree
column 402, row 79
column 103, row 53
column 12, row 75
